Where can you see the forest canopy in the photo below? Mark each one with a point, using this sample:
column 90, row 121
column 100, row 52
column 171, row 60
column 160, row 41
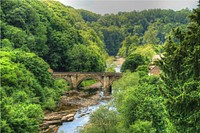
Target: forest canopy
column 39, row 35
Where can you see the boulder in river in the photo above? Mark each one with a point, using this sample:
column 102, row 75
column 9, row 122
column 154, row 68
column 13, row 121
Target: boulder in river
column 82, row 115
column 51, row 129
column 69, row 117
column 55, row 122
column 53, row 117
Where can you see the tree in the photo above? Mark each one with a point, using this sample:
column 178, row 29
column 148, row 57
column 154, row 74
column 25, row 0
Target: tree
column 142, row 127
column 150, row 36
column 132, row 62
column 181, row 75
column 138, row 29
column 103, row 120
column 30, row 60
column 83, row 59
column 6, row 43
column 128, row 45
column 112, row 38
column 26, row 89
column 140, row 105
column 89, row 16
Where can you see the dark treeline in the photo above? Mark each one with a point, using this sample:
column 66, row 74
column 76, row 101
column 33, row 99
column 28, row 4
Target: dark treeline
column 150, row 26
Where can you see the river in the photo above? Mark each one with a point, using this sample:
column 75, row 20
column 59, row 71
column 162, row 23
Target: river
column 81, row 118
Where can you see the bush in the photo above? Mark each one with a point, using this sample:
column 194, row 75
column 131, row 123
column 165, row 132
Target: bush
column 132, row 62
column 142, row 127
column 102, row 120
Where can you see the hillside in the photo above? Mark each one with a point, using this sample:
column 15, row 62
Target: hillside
column 39, row 35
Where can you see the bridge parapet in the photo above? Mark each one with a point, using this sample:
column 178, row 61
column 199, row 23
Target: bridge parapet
column 87, row 73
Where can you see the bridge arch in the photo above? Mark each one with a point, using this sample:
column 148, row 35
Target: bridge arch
column 68, row 79
column 89, row 77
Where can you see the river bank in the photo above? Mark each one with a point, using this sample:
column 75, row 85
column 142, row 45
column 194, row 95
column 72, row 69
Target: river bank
column 81, row 118
column 70, row 102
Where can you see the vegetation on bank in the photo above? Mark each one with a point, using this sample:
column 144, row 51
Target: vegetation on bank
column 27, row 88
column 165, row 104
column 37, row 35
column 87, row 82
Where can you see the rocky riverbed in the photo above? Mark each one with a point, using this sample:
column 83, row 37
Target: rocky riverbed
column 69, row 104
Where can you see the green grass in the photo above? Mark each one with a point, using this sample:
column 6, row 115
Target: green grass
column 87, row 82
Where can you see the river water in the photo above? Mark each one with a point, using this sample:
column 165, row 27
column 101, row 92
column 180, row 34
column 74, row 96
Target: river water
column 117, row 69
column 81, row 118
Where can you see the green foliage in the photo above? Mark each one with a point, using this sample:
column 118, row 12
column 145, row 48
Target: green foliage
column 51, row 30
column 6, row 43
column 142, row 127
column 112, row 38
column 5, row 127
column 26, row 89
column 103, row 120
column 110, row 69
column 132, row 62
column 92, row 39
column 85, row 60
column 151, row 27
column 19, row 116
column 60, row 46
column 60, row 85
column 129, row 45
column 31, row 60
column 181, row 75
column 48, row 29
column 77, row 40
column 147, row 51
column 150, row 36
column 89, row 16
column 140, row 105
column 88, row 82
column 142, row 70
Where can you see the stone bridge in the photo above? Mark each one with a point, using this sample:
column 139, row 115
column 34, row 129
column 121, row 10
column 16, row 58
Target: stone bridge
column 75, row 78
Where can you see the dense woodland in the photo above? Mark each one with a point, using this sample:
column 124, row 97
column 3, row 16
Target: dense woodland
column 38, row 35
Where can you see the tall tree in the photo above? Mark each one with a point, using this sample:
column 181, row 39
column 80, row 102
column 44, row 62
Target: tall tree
column 150, row 36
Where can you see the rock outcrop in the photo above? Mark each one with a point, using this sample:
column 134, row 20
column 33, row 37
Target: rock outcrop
column 69, row 104
column 67, row 118
column 52, row 120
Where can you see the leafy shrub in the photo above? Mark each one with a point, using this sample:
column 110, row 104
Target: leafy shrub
column 132, row 62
